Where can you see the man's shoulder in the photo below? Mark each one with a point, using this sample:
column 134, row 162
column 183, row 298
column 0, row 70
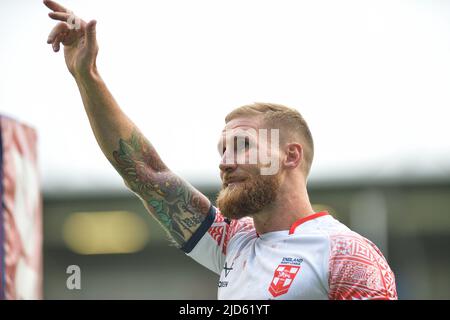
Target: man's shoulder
column 349, row 242
column 358, row 269
column 346, row 244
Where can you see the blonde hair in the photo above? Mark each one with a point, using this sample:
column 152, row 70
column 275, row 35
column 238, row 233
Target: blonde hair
column 288, row 120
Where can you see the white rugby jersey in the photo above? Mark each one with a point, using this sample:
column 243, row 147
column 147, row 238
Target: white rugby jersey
column 318, row 258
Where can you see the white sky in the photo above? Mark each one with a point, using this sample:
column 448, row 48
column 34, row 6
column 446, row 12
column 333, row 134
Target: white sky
column 372, row 79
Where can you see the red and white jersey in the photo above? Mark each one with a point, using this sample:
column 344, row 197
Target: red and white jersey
column 318, row 258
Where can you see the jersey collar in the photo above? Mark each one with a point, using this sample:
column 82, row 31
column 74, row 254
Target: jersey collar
column 307, row 218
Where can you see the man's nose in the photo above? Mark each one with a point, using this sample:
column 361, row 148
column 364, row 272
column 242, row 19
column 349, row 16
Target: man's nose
column 227, row 166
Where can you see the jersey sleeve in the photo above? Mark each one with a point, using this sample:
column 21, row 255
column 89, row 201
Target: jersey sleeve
column 210, row 243
column 358, row 270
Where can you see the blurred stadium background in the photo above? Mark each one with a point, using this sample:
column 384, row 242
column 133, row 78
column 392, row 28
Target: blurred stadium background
column 372, row 79
column 410, row 222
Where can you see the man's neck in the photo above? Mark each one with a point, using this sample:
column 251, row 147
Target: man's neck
column 287, row 208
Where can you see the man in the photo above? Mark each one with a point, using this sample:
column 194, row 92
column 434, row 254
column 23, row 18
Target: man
column 266, row 242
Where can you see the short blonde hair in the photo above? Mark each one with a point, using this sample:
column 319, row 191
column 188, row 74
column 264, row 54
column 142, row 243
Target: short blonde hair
column 282, row 117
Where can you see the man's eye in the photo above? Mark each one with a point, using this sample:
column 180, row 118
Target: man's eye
column 247, row 143
column 244, row 144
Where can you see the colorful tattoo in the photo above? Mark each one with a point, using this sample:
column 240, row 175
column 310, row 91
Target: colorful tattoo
column 178, row 206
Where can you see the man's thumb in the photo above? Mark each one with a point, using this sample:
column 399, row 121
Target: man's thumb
column 90, row 33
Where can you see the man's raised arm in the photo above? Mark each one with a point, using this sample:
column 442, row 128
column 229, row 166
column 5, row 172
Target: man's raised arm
column 178, row 206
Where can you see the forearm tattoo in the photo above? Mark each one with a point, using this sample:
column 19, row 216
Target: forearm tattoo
column 178, row 206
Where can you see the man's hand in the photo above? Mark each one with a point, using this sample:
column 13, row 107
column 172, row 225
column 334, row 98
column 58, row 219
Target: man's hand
column 78, row 38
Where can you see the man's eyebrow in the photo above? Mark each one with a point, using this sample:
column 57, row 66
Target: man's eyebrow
column 243, row 136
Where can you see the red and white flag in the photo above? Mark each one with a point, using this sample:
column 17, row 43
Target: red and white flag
column 20, row 212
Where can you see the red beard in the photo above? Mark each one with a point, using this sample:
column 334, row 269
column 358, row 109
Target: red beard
column 248, row 197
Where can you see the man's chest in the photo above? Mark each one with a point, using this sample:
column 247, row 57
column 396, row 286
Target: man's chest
column 274, row 271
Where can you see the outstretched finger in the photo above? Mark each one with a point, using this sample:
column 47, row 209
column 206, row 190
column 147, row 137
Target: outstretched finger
column 55, row 6
column 61, row 16
column 73, row 21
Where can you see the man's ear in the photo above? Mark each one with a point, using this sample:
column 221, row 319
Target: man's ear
column 293, row 155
